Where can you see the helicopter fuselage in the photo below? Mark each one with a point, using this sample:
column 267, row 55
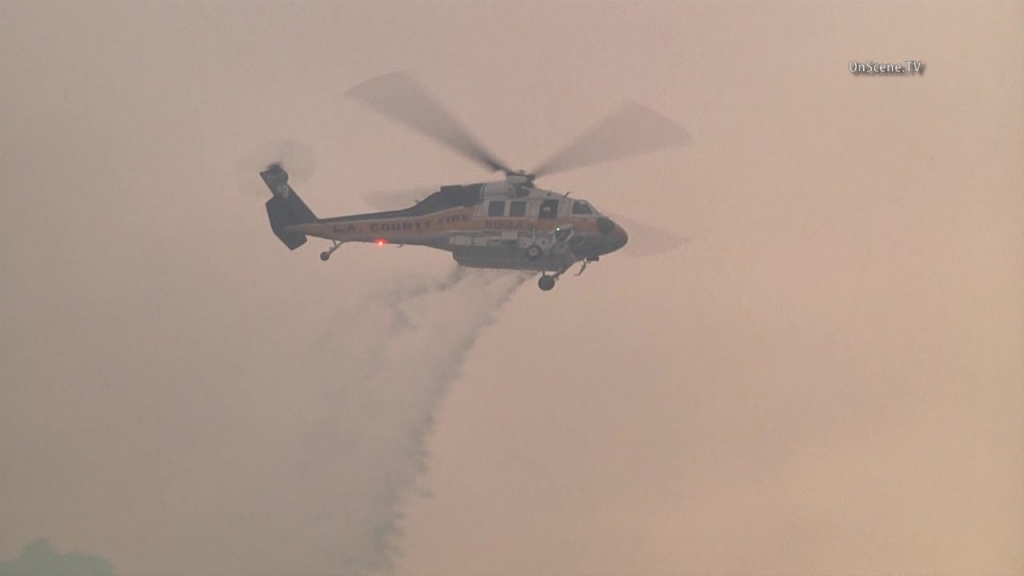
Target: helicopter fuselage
column 491, row 225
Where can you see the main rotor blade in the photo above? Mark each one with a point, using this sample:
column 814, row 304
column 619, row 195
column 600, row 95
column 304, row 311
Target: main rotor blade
column 632, row 129
column 399, row 97
column 396, row 199
column 647, row 240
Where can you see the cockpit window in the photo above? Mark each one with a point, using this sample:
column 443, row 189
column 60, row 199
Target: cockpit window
column 581, row 207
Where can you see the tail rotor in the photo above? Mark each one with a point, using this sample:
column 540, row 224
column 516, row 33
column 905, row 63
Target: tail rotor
column 292, row 156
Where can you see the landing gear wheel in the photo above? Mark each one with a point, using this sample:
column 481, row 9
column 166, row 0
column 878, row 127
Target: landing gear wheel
column 326, row 254
column 534, row 253
column 546, row 282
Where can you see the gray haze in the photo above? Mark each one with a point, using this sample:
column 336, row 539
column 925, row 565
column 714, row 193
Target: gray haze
column 827, row 379
column 40, row 557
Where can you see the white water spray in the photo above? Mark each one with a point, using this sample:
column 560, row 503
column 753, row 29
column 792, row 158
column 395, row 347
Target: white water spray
column 387, row 366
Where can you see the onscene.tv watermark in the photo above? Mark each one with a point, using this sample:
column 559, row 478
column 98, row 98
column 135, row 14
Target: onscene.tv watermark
column 907, row 67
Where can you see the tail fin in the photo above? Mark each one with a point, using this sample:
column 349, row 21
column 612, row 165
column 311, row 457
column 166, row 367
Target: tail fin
column 285, row 208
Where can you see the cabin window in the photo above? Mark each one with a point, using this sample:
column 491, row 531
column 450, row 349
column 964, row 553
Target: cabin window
column 580, row 207
column 496, row 208
column 548, row 209
column 517, row 208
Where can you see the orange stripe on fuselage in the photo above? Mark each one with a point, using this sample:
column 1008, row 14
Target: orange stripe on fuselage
column 424, row 228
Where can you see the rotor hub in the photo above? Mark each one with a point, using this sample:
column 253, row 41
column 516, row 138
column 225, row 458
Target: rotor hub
column 519, row 178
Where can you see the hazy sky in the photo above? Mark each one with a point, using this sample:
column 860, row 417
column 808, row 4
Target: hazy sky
column 828, row 379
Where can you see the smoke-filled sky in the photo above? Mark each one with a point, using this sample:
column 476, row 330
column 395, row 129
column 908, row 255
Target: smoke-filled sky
column 827, row 379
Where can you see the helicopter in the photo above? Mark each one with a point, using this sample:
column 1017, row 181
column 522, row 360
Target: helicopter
column 507, row 224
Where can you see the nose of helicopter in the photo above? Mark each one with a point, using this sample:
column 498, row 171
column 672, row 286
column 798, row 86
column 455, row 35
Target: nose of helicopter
column 619, row 238
column 612, row 236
